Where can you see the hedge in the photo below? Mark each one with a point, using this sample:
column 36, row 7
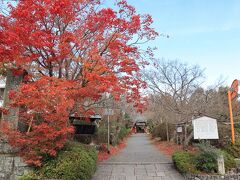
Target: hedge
column 205, row 160
column 183, row 161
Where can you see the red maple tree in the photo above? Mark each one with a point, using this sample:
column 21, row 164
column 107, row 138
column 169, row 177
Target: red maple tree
column 73, row 51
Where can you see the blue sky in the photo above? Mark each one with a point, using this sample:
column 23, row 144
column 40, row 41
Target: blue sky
column 204, row 32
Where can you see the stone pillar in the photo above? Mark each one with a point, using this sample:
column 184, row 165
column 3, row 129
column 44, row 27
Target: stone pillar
column 11, row 166
column 221, row 166
column 12, row 83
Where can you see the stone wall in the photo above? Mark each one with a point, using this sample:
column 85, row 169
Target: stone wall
column 212, row 177
column 11, row 166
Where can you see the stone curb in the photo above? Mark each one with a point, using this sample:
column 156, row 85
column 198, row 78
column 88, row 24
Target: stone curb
column 132, row 163
column 189, row 176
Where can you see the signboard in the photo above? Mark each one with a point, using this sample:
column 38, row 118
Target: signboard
column 205, row 128
column 234, row 89
column 179, row 129
column 108, row 112
column 140, row 124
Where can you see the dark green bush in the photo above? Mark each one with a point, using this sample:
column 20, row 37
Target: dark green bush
column 206, row 161
column 123, row 133
column 206, row 147
column 183, row 161
column 75, row 161
column 234, row 150
column 203, row 161
column 229, row 161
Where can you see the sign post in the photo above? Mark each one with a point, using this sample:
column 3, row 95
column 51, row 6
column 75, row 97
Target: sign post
column 232, row 94
column 108, row 112
column 231, row 116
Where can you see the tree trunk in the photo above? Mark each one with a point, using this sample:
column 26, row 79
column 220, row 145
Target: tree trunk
column 185, row 132
column 167, row 131
column 187, row 140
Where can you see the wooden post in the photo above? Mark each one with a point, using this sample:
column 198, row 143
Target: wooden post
column 231, row 116
column 108, row 139
column 177, row 139
column 185, row 132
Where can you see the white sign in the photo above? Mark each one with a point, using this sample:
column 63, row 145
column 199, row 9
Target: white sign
column 205, row 128
column 179, row 129
column 108, row 112
column 141, row 124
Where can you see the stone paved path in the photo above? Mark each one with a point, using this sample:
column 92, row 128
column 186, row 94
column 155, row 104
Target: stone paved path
column 140, row 160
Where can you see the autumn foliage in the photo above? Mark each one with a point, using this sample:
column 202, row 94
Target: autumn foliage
column 114, row 150
column 73, row 51
column 44, row 110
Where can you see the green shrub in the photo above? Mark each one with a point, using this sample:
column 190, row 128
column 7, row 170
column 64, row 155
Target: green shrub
column 234, row 150
column 123, row 133
column 229, row 161
column 206, row 161
column 120, row 133
column 115, row 135
column 30, row 176
column 75, row 161
column 183, row 161
column 206, row 147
